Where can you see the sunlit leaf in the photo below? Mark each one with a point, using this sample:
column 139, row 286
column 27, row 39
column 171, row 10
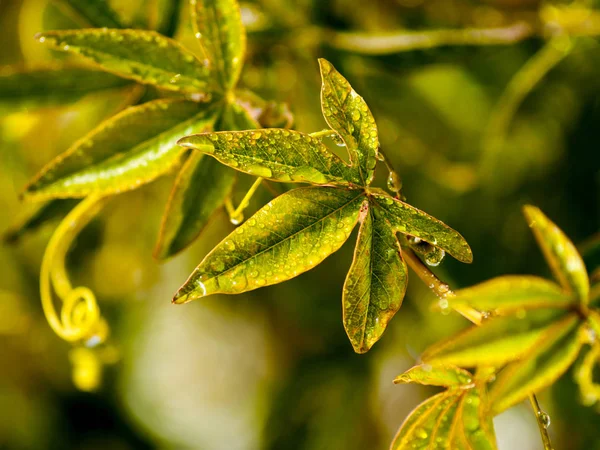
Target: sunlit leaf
column 348, row 114
column 409, row 220
column 288, row 236
column 200, row 189
column 447, row 376
column 512, row 293
column 51, row 85
column 144, row 56
column 35, row 215
column 454, row 419
column 279, row 155
column 494, row 343
column 548, row 359
column 98, row 13
column 133, row 147
column 560, row 253
column 375, row 285
column 219, row 28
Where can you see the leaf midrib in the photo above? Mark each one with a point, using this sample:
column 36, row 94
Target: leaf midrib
column 287, row 238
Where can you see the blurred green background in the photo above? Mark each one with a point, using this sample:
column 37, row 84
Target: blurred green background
column 273, row 369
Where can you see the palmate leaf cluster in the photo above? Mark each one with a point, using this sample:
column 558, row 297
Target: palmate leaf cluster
column 138, row 144
column 202, row 125
column 534, row 332
column 299, row 229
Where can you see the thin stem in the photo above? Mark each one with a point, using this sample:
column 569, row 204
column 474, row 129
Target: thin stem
column 236, row 216
column 79, row 315
column 322, row 133
column 405, row 41
column 441, row 289
column 542, row 420
column 555, row 50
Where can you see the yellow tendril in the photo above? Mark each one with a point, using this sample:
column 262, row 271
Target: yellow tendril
column 79, row 320
column 584, row 376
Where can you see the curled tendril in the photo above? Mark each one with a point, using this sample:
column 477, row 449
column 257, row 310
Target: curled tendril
column 79, row 321
column 590, row 391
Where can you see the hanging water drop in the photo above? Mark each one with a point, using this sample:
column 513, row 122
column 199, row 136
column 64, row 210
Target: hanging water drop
column 394, row 184
column 434, row 257
column 544, row 419
column 337, row 139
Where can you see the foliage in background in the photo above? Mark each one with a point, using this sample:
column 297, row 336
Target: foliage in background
column 553, row 321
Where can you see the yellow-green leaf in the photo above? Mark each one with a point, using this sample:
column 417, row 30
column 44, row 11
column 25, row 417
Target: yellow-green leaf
column 279, row 155
column 347, row 113
column 50, row 85
column 454, row 419
column 409, row 220
column 512, row 293
column 288, row 236
column 144, row 56
column 132, row 148
column 219, row 28
column 436, row 375
column 97, row 12
column 375, row 284
column 547, row 360
column 560, row 253
column 201, row 187
column 497, row 341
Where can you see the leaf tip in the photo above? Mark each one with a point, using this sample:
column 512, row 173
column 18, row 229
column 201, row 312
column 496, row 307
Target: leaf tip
column 186, row 142
column 325, row 65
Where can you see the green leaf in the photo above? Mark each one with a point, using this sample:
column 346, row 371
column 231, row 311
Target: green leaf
column 512, row 293
column 143, row 56
column 35, row 215
column 348, row 114
column 132, row 148
column 497, row 341
column 447, row 376
column 51, row 85
column 547, row 360
column 279, row 155
column 452, row 419
column 287, row 237
column 376, row 283
column 219, row 28
column 560, row 253
column 199, row 190
column 98, row 13
column 409, row 220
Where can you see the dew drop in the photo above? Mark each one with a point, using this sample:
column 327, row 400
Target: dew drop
column 355, row 115
column 229, row 245
column 544, row 419
column 394, row 184
column 198, row 35
column 434, row 257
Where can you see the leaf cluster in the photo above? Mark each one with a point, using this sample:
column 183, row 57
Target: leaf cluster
column 299, row 229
